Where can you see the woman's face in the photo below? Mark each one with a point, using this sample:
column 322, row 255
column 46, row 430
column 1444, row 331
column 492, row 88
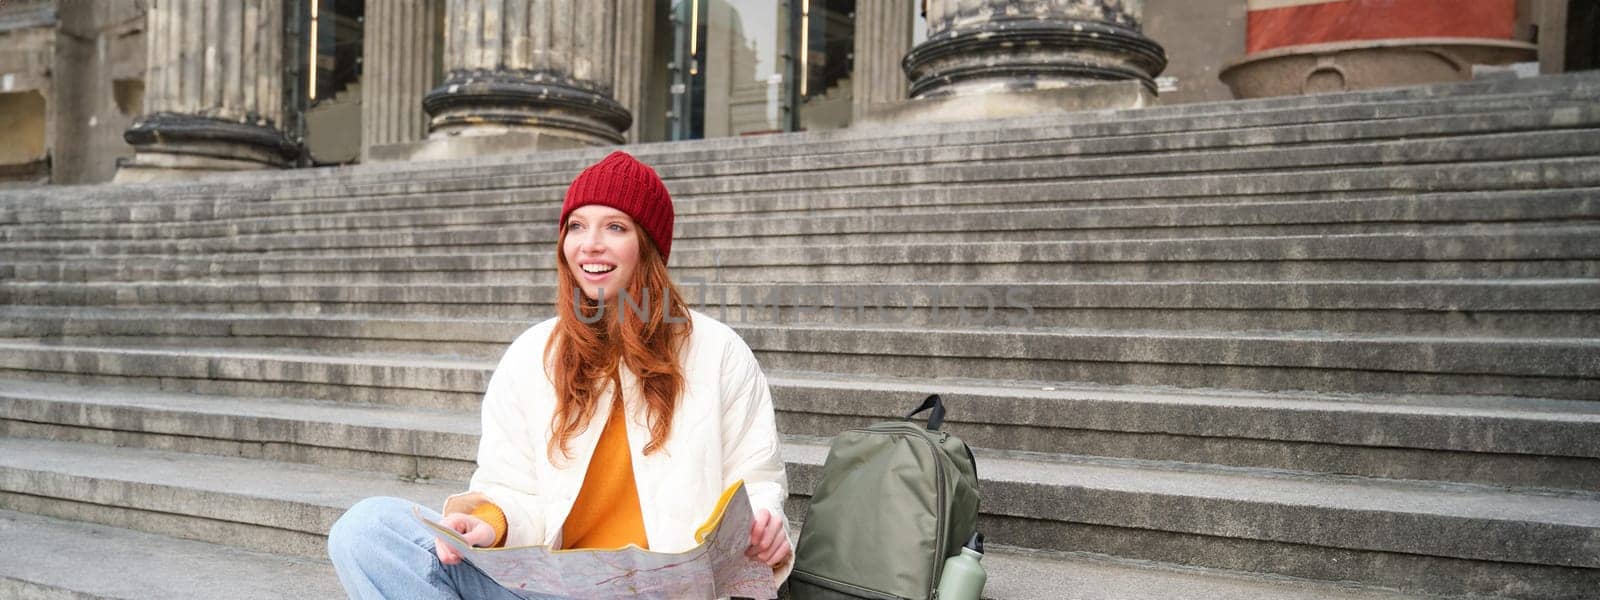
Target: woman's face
column 602, row 249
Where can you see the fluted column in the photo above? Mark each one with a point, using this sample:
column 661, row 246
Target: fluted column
column 883, row 37
column 634, row 31
column 529, row 65
column 214, row 90
column 982, row 46
column 397, row 56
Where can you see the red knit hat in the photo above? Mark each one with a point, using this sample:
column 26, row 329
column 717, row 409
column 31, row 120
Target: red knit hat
column 622, row 182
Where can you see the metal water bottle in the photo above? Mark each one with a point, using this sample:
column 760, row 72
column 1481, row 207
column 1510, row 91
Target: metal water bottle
column 964, row 576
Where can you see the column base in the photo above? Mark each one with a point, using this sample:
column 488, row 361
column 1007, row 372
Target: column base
column 170, row 146
column 1367, row 64
column 1008, row 105
column 468, row 146
column 158, row 166
column 479, row 103
column 1016, row 54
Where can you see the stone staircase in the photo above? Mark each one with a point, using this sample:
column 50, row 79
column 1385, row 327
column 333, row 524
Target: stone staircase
column 1343, row 346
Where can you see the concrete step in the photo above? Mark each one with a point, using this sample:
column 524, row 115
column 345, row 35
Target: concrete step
column 1090, row 139
column 1554, row 308
column 949, row 166
column 1567, row 368
column 1103, row 123
column 264, row 506
column 1080, row 140
column 1165, row 189
column 86, row 561
column 1497, row 441
column 849, row 172
column 1021, row 574
column 1562, row 251
column 1486, row 114
column 469, row 338
column 426, row 381
column 400, row 227
column 1448, row 364
column 1501, row 441
column 1472, row 539
column 1416, row 537
column 1156, row 189
column 1169, row 189
column 523, row 229
column 1215, row 117
column 403, row 442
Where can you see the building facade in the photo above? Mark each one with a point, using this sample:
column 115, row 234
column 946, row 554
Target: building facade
column 100, row 90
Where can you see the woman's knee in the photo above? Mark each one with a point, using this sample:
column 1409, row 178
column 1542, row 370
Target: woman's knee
column 370, row 521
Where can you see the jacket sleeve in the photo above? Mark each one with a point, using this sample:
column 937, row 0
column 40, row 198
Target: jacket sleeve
column 750, row 439
column 506, row 473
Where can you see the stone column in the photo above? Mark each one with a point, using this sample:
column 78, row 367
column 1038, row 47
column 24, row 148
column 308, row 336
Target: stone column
column 883, row 37
column 1551, row 19
column 635, row 29
column 397, row 51
column 529, row 66
column 985, row 46
column 213, row 90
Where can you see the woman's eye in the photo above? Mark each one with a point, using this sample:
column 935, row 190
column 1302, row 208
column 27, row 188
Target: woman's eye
column 573, row 225
column 617, row 227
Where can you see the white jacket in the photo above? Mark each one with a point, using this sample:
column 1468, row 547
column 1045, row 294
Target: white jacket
column 722, row 431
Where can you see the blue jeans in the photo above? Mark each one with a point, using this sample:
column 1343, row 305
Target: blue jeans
column 381, row 551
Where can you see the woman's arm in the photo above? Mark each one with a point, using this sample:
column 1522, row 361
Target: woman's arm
column 751, row 446
column 507, row 474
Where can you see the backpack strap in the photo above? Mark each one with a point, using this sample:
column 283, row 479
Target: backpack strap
column 936, row 419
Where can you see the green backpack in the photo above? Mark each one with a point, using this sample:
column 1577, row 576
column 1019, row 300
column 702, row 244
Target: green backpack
column 894, row 501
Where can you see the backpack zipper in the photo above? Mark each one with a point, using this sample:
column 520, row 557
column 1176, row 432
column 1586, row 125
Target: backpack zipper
column 939, row 518
column 939, row 515
column 844, row 588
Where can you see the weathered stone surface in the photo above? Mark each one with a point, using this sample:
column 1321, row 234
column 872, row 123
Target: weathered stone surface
column 520, row 65
column 1556, row 309
column 1008, row 105
column 992, row 46
column 1348, row 338
column 1369, row 528
column 883, row 36
column 84, row 561
column 117, row 564
column 215, row 110
column 398, row 45
column 1497, row 441
column 1366, row 64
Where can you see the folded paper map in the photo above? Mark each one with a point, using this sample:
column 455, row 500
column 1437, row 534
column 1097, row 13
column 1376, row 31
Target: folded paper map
column 715, row 568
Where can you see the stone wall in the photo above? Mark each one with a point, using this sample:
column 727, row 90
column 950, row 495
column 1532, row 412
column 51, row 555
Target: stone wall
column 73, row 78
column 99, row 66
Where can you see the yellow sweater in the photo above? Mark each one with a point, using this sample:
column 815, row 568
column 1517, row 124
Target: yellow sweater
column 606, row 513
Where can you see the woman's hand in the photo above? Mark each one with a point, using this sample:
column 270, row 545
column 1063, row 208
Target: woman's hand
column 476, row 531
column 767, row 542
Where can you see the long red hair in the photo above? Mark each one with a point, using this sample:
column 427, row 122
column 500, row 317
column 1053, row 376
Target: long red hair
column 584, row 354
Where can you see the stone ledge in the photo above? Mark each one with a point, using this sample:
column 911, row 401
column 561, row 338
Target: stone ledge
column 1119, row 95
column 469, row 146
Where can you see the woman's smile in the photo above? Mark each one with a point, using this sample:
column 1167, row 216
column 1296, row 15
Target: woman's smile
column 596, row 271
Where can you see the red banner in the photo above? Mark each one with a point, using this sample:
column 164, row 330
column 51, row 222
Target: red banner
column 1278, row 23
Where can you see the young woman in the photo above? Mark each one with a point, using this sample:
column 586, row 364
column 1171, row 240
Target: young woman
column 565, row 461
